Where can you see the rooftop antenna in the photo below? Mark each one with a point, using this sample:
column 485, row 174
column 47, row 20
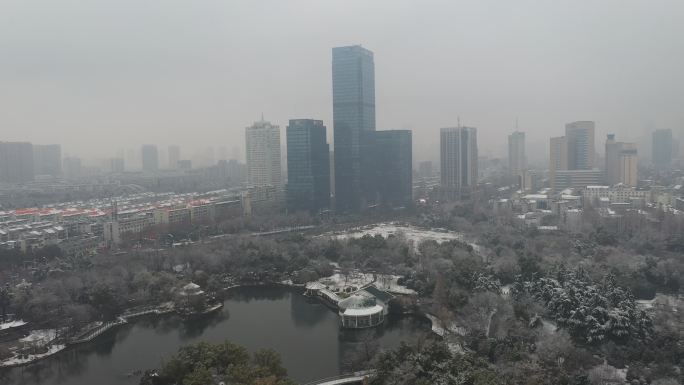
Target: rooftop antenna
column 516, row 123
column 458, row 119
column 262, row 116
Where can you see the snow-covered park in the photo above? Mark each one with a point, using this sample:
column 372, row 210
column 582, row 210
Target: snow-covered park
column 411, row 233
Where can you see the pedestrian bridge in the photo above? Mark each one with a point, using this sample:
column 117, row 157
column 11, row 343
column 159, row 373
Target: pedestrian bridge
column 351, row 378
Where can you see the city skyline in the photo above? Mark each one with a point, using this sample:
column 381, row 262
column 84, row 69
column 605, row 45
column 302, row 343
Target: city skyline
column 90, row 101
column 384, row 192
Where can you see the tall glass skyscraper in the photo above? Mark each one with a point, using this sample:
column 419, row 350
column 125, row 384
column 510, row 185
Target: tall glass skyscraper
column 150, row 158
column 662, row 149
column 517, row 162
column 353, row 73
column 308, row 166
column 581, row 145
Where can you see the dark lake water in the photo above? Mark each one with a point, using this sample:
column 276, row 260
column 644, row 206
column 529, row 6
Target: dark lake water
column 305, row 333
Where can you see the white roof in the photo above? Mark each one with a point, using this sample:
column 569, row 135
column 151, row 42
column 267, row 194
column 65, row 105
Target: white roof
column 362, row 311
column 191, row 286
column 315, row 285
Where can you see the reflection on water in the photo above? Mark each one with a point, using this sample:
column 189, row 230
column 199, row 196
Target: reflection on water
column 303, row 332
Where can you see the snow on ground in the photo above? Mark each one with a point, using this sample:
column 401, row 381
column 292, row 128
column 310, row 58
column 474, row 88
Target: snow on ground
column 12, row 324
column 645, row 303
column 42, row 336
column 438, row 328
column 665, row 300
column 32, row 357
column 353, row 278
column 411, row 233
column 390, row 284
column 549, row 327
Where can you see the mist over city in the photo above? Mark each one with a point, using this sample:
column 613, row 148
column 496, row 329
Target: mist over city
column 341, row 192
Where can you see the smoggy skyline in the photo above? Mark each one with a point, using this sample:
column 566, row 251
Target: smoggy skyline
column 100, row 76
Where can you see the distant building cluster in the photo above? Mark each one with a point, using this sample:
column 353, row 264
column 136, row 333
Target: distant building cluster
column 364, row 168
column 616, row 206
column 578, row 187
column 82, row 227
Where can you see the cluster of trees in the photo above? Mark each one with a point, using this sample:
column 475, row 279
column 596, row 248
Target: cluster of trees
column 592, row 312
column 593, row 306
column 206, row 363
column 71, row 293
column 431, row 364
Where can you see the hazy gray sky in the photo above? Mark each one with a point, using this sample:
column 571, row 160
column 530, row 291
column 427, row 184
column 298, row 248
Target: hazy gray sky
column 99, row 75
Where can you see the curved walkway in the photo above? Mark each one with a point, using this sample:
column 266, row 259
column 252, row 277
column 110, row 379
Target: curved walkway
column 352, row 378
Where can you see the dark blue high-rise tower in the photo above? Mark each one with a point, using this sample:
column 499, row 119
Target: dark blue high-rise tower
column 353, row 73
column 308, row 166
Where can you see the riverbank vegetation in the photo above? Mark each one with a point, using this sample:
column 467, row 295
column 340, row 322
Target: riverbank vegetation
column 211, row 363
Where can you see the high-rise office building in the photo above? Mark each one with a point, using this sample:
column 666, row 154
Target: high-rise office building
column 394, row 167
column 517, row 161
column 458, row 161
column 185, row 164
column 150, row 158
column 565, row 179
column 621, row 162
column 558, row 158
column 174, row 156
column 236, row 172
column 116, row 165
column 47, row 159
column 263, row 155
column 353, row 78
column 628, row 165
column 72, row 167
column 580, row 137
column 16, row 162
column 662, row 149
column 308, row 165
column 425, row 169
column 612, row 159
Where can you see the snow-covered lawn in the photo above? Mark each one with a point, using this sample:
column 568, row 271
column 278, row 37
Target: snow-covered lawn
column 32, row 357
column 340, row 281
column 42, row 336
column 411, row 233
column 671, row 302
column 389, row 283
column 12, row 324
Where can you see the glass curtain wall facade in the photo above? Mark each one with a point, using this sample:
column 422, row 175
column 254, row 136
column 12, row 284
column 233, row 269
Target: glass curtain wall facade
column 353, row 78
column 394, row 164
column 308, row 166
